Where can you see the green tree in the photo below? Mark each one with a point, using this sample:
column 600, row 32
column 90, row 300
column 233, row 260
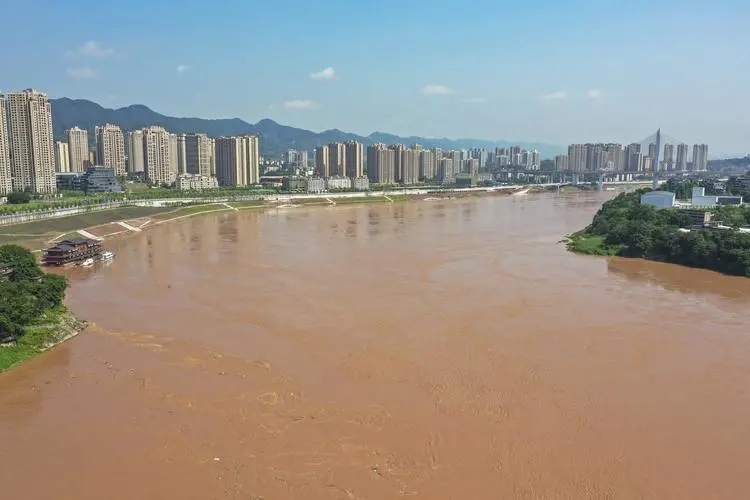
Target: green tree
column 19, row 197
column 22, row 261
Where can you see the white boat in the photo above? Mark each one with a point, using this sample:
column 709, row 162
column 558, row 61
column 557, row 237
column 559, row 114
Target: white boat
column 107, row 256
column 87, row 263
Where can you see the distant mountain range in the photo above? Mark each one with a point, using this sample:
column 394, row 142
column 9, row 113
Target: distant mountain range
column 275, row 138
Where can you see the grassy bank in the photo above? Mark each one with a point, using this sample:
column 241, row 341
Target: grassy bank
column 591, row 244
column 56, row 325
column 34, row 235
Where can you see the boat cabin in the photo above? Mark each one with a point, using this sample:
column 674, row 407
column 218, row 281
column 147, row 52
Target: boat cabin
column 71, row 251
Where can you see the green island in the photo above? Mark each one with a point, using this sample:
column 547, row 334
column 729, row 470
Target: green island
column 626, row 228
column 33, row 317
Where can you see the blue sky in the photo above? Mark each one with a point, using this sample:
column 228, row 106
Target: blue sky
column 534, row 70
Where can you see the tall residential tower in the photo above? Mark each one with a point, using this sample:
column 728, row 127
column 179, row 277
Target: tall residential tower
column 32, row 157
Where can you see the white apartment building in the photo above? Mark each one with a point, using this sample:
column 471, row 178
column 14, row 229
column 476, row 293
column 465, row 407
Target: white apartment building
column 196, row 182
column 410, row 166
column 173, row 157
column 316, row 185
column 136, row 162
column 361, row 183
column 156, row 155
column 6, row 183
column 29, row 119
column 338, row 182
column 78, row 149
column 110, row 148
column 238, row 161
column 62, row 157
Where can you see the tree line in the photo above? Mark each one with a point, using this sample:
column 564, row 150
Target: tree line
column 627, row 228
column 26, row 292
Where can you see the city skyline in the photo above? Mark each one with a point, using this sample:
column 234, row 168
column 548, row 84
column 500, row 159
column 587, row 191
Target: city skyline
column 547, row 76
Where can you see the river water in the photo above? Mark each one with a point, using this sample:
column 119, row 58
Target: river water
column 436, row 349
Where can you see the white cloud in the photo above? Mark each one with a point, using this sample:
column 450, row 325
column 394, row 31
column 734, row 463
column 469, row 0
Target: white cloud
column 299, row 104
column 594, row 94
column 554, row 96
column 436, row 90
column 83, row 73
column 324, row 74
column 474, row 100
column 183, row 68
column 91, row 50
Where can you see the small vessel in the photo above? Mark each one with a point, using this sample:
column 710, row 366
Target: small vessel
column 107, row 256
column 88, row 262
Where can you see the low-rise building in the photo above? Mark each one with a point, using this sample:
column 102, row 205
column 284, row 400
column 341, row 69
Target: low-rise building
column 101, row 180
column 294, row 184
column 701, row 199
column 658, row 199
column 69, row 181
column 338, row 183
column 361, row 183
column 196, row 182
column 484, row 177
column 465, row 180
column 316, row 185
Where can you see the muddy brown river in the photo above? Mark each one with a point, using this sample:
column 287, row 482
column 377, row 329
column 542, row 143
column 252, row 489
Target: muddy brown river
column 433, row 350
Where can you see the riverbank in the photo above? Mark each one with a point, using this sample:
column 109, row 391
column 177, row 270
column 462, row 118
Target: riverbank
column 626, row 228
column 55, row 326
column 119, row 222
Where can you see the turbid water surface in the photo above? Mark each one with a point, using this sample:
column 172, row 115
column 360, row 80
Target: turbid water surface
column 433, row 350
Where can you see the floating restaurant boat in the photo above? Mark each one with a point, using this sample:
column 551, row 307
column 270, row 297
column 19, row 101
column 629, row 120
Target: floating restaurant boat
column 71, row 251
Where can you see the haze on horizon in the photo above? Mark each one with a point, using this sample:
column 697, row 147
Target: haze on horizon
column 539, row 70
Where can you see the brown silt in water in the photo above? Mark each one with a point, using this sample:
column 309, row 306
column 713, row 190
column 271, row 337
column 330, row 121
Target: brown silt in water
column 435, row 349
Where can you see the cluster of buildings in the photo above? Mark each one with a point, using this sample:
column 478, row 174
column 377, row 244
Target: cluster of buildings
column 190, row 161
column 398, row 164
column 699, row 199
column 618, row 158
column 30, row 158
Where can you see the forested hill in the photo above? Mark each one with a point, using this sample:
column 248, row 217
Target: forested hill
column 275, row 138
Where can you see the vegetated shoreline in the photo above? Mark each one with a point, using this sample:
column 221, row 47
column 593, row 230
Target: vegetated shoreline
column 623, row 227
column 56, row 326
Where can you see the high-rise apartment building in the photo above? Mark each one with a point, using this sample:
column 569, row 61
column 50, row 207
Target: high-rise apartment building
column 173, row 159
column 62, row 157
column 337, row 159
column 156, row 155
column 6, row 183
column 198, row 154
column 615, row 156
column 78, row 149
column 700, row 157
column 238, row 160
column 652, row 150
column 668, row 159
column 381, row 164
column 427, row 164
column 631, row 151
column 577, row 157
column 397, row 166
column 322, row 162
column 213, row 158
column 681, row 159
column 181, row 154
column 32, row 162
column 446, row 170
column 355, row 159
column 409, row 166
column 136, row 161
column 110, row 148
column 561, row 163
